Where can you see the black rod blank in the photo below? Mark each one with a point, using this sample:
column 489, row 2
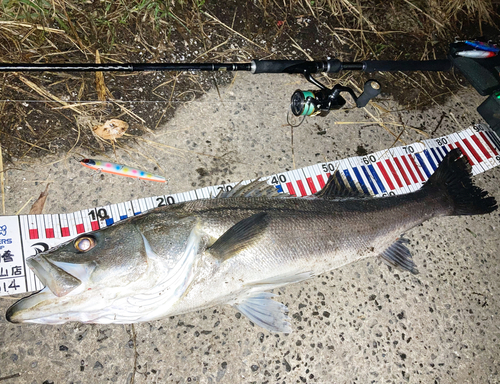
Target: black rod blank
column 256, row 66
column 394, row 66
column 128, row 67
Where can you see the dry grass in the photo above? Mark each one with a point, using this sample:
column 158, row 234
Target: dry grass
column 40, row 30
column 482, row 11
column 47, row 31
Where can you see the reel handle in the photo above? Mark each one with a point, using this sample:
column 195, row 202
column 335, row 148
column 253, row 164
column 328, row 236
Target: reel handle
column 370, row 90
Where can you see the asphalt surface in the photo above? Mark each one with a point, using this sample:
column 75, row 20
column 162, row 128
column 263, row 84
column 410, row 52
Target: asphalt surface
column 359, row 324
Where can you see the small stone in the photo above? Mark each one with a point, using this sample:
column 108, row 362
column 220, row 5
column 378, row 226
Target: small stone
column 287, row 365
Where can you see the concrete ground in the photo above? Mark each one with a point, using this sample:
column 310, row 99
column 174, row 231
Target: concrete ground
column 359, row 324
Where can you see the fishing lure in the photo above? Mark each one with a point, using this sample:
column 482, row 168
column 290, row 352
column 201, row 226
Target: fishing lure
column 121, row 170
column 483, row 46
column 476, row 54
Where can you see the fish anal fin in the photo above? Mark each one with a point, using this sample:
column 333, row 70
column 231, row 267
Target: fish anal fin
column 399, row 256
column 336, row 186
column 263, row 311
column 239, row 236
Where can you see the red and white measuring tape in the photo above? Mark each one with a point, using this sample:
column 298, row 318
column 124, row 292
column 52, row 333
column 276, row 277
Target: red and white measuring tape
column 393, row 171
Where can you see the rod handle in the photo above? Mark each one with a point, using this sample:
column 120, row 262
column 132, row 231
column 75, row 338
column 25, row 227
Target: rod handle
column 281, row 66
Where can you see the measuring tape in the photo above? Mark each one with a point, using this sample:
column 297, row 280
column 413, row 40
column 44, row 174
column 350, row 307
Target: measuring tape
column 389, row 172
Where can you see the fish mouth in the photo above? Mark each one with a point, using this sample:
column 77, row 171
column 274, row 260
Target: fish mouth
column 52, row 275
column 60, row 279
column 23, row 310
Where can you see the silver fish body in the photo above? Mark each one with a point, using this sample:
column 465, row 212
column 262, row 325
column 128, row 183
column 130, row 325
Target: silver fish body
column 234, row 249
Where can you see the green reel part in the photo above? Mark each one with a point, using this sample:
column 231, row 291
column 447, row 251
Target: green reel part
column 302, row 103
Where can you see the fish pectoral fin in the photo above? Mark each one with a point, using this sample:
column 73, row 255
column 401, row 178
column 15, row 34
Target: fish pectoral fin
column 263, row 311
column 399, row 256
column 239, row 236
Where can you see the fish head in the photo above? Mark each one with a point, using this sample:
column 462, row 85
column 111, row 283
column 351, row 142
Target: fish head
column 83, row 276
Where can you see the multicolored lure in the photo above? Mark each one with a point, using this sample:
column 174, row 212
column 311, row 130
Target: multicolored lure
column 476, row 54
column 483, row 46
column 481, row 50
column 121, row 170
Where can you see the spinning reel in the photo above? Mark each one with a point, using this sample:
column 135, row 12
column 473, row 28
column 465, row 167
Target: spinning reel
column 321, row 102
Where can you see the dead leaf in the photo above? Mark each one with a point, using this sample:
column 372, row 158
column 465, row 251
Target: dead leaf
column 111, row 129
column 37, row 207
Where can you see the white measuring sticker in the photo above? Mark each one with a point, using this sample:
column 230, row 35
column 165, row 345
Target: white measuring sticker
column 389, row 172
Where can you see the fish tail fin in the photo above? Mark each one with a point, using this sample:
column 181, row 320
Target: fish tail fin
column 453, row 181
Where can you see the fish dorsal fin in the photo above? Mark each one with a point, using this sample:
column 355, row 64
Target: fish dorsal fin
column 399, row 256
column 337, row 187
column 239, row 236
column 256, row 188
column 263, row 311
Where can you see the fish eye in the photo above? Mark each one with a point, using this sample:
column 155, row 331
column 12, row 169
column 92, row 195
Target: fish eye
column 84, row 243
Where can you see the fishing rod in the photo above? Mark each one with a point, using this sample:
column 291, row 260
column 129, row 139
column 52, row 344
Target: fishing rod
column 477, row 61
column 306, row 103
